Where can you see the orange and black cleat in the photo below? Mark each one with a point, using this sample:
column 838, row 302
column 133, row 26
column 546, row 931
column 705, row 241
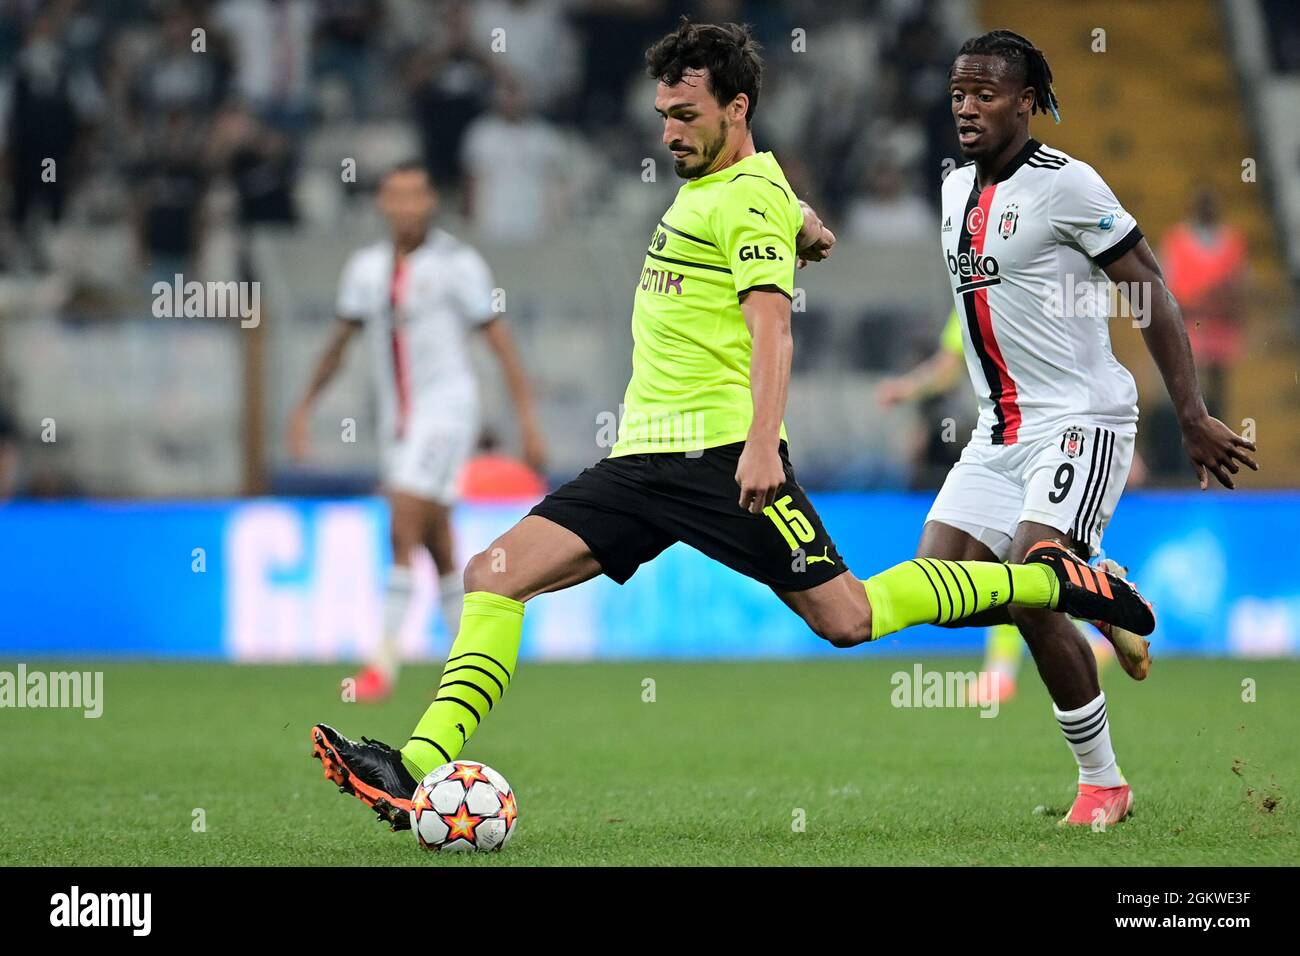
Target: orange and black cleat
column 1094, row 594
column 371, row 771
column 1133, row 651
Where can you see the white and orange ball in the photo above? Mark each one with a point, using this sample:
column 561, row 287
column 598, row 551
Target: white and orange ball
column 464, row 806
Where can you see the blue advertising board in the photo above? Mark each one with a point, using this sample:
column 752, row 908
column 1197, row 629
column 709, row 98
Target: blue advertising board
column 301, row 580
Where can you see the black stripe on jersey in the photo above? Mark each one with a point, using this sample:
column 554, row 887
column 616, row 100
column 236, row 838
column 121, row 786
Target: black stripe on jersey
column 687, row 262
column 687, row 235
column 977, row 284
column 765, row 179
column 1087, row 487
column 991, row 374
column 1043, row 160
column 1103, row 259
column 764, row 287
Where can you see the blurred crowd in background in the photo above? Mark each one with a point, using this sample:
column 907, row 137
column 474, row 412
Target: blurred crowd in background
column 114, row 94
column 185, row 150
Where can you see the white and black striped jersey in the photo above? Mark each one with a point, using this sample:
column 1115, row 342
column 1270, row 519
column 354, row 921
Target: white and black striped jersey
column 1025, row 256
column 418, row 312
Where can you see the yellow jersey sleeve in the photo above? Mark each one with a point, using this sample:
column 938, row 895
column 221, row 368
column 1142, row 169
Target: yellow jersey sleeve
column 755, row 226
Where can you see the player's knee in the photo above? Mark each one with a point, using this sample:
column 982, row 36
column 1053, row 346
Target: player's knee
column 843, row 632
column 479, row 575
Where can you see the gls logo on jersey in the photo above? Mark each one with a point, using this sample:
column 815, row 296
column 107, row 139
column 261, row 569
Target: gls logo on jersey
column 755, row 252
column 973, row 271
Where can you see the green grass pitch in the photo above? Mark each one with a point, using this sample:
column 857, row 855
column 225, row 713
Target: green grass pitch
column 714, row 771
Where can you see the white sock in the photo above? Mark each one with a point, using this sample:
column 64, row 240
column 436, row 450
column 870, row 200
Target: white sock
column 1087, row 732
column 451, row 598
column 397, row 598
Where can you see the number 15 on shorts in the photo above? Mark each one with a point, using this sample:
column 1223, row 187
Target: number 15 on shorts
column 794, row 527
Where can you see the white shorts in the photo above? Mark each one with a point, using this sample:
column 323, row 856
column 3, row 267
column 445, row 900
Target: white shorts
column 427, row 461
column 1071, row 482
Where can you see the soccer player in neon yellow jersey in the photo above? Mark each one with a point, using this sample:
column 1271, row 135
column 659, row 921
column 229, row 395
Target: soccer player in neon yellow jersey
column 701, row 455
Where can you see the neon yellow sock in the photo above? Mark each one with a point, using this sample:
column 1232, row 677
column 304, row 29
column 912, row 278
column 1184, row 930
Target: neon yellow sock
column 932, row 591
column 478, row 671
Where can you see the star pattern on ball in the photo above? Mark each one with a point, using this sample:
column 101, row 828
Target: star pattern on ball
column 468, row 774
column 421, row 802
column 508, row 810
column 462, row 824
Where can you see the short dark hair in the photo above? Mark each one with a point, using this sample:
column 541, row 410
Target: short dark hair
column 1022, row 56
column 728, row 51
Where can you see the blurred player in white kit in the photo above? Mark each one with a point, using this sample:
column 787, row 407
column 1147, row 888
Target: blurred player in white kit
column 420, row 294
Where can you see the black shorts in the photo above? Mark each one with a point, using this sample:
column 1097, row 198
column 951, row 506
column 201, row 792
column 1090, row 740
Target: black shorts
column 629, row 509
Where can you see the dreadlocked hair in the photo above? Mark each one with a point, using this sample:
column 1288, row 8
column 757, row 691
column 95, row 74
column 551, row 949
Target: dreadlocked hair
column 1025, row 57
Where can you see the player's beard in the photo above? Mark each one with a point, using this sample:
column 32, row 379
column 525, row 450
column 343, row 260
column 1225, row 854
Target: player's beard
column 704, row 157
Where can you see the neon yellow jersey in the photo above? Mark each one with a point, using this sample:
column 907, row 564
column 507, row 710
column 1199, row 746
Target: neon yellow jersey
column 725, row 234
column 950, row 338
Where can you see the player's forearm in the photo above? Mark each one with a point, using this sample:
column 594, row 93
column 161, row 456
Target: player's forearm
column 1166, row 339
column 769, row 376
column 512, row 368
column 517, row 384
column 935, row 375
column 325, row 370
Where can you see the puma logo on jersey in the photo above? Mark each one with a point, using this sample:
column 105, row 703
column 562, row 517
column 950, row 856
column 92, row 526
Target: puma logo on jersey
column 813, row 559
column 757, row 213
